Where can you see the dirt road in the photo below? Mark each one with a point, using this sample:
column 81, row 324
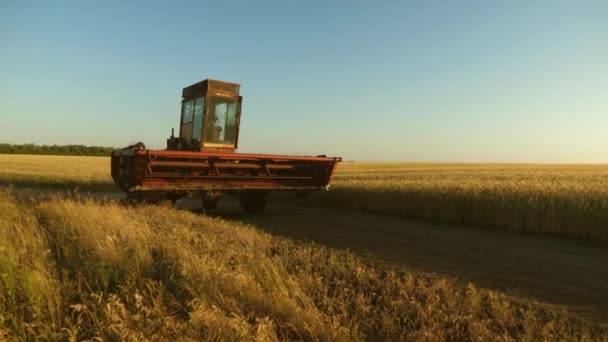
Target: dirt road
column 560, row 271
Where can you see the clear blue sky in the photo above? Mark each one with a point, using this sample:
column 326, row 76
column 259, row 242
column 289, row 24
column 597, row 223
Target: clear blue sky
column 511, row 81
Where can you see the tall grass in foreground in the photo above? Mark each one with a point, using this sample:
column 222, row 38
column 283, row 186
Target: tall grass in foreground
column 79, row 269
column 561, row 199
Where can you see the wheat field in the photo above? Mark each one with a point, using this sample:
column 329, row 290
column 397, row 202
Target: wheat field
column 59, row 172
column 558, row 199
column 74, row 269
column 569, row 200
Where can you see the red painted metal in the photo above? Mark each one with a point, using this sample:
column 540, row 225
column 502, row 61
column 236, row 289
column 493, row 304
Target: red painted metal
column 174, row 171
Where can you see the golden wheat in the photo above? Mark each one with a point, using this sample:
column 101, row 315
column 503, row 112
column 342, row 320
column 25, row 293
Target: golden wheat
column 65, row 172
column 75, row 269
column 562, row 199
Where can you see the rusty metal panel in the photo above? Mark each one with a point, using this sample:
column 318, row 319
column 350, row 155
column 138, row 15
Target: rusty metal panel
column 191, row 171
column 211, row 86
column 177, row 164
column 235, row 156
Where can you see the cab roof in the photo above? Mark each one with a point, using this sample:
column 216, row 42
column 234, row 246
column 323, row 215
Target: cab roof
column 211, row 86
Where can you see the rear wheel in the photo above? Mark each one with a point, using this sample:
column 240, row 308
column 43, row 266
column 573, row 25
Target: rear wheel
column 253, row 201
column 163, row 199
column 210, row 199
column 168, row 199
column 136, row 198
column 302, row 194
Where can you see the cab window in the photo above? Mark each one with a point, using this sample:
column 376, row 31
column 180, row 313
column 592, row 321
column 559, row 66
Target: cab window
column 197, row 127
column 187, row 111
column 221, row 120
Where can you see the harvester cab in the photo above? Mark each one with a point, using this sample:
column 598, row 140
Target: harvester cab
column 209, row 118
column 203, row 159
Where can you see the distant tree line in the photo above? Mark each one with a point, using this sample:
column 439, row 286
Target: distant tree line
column 64, row 150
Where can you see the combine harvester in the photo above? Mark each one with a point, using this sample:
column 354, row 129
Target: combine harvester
column 203, row 161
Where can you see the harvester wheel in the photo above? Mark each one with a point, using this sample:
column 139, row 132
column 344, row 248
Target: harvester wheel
column 165, row 202
column 135, row 198
column 138, row 198
column 253, row 201
column 210, row 199
column 302, row 194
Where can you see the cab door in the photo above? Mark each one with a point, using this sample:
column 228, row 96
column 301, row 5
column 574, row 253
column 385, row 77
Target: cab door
column 186, row 126
column 192, row 121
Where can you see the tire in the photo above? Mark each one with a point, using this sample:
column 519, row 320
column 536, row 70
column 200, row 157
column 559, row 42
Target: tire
column 166, row 201
column 302, row 194
column 253, row 202
column 210, row 199
column 135, row 198
column 141, row 198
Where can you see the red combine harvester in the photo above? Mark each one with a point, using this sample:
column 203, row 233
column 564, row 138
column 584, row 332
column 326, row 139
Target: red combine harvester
column 203, row 159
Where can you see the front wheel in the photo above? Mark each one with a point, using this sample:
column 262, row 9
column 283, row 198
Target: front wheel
column 253, row 201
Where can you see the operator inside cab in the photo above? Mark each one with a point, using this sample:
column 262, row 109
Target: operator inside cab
column 221, row 121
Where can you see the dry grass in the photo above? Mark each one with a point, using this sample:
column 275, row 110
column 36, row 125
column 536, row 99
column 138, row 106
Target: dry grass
column 75, row 269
